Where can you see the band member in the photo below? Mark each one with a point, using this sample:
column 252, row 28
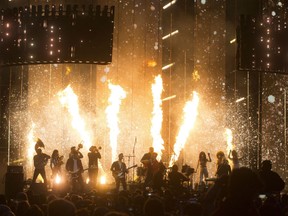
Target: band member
column 152, row 165
column 75, row 169
column 76, row 151
column 202, row 162
column 55, row 163
column 175, row 178
column 119, row 171
column 235, row 159
column 40, row 161
column 93, row 157
column 223, row 167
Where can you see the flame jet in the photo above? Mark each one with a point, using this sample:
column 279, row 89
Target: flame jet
column 157, row 117
column 190, row 113
column 69, row 100
column 116, row 96
column 229, row 140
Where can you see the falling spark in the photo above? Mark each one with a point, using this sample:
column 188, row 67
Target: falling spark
column 190, row 114
column 69, row 100
column 31, row 144
column 116, row 96
column 157, row 117
column 229, row 139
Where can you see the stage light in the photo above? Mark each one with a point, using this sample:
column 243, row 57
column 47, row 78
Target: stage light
column 57, row 179
column 87, row 180
column 167, row 66
column 103, row 180
column 169, row 4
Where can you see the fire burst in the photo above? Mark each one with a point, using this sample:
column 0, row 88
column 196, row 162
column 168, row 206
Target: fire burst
column 31, row 144
column 229, row 139
column 117, row 94
column 69, row 100
column 157, row 117
column 190, row 114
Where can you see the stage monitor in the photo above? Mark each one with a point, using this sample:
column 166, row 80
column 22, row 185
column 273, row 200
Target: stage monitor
column 56, row 34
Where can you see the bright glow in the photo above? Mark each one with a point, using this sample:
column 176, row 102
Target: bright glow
column 57, row 179
column 31, row 146
column 169, row 98
column 69, row 100
column 169, row 35
column 167, row 66
column 203, row 1
column 103, row 180
column 190, row 112
column 229, row 140
column 157, row 117
column 87, row 180
column 233, row 41
column 39, row 179
column 169, row 4
column 117, row 94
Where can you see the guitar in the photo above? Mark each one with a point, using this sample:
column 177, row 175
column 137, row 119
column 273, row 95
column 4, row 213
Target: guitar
column 75, row 175
column 121, row 173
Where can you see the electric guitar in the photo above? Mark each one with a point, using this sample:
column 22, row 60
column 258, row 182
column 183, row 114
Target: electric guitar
column 121, row 173
column 75, row 175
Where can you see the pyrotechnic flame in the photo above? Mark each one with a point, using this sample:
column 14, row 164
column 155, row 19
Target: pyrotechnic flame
column 157, row 117
column 229, row 140
column 87, row 180
column 103, row 180
column 57, row 179
column 31, row 144
column 117, row 94
column 190, row 114
column 69, row 100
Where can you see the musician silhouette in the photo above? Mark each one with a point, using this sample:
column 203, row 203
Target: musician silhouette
column 119, row 171
column 75, row 169
column 40, row 161
column 151, row 164
column 55, row 163
column 93, row 157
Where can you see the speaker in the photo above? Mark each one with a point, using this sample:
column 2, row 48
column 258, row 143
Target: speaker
column 14, row 183
column 14, row 169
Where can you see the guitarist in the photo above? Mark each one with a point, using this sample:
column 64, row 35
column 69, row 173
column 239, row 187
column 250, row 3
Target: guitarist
column 119, row 171
column 75, row 168
column 93, row 157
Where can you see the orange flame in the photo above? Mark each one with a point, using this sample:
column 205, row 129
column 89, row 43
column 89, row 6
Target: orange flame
column 31, row 147
column 157, row 117
column 117, row 94
column 69, row 100
column 190, row 114
column 229, row 140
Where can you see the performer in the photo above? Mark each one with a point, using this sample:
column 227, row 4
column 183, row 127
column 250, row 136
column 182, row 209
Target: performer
column 152, row 165
column 75, row 169
column 119, row 171
column 223, row 167
column 76, row 151
column 93, row 157
column 235, row 159
column 175, row 178
column 202, row 162
column 40, row 161
column 55, row 163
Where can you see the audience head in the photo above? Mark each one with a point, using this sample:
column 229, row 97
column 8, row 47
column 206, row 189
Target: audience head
column 244, row 184
column 154, row 207
column 266, row 165
column 61, row 207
